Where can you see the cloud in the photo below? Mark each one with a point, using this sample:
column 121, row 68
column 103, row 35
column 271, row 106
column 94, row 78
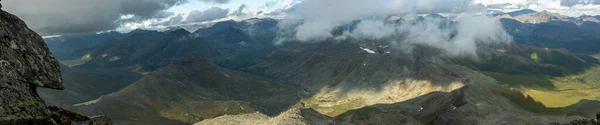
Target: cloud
column 314, row 20
column 374, row 29
column 84, row 16
column 459, row 39
column 241, row 11
column 174, row 20
column 215, row 1
column 566, row 7
column 209, row 14
column 321, row 16
column 570, row 3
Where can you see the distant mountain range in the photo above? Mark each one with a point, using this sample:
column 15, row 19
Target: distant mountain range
column 552, row 30
column 230, row 43
column 233, row 73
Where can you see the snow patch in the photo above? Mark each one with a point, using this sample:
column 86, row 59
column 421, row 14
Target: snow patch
column 51, row 36
column 368, row 50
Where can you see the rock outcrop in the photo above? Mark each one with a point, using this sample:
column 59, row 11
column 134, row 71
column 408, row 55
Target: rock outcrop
column 582, row 121
column 25, row 64
column 294, row 116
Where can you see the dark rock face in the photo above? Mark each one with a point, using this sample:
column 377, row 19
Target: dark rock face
column 65, row 117
column 25, row 63
column 25, row 57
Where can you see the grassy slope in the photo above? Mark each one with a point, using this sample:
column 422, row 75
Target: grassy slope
column 191, row 90
column 549, row 93
column 567, row 90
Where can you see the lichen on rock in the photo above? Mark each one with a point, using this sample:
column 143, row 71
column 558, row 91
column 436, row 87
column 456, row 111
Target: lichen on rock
column 25, row 63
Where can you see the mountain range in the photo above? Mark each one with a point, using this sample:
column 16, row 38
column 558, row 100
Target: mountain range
column 233, row 73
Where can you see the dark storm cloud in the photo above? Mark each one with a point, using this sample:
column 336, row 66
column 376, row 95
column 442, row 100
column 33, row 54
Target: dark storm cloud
column 85, row 16
column 209, row 14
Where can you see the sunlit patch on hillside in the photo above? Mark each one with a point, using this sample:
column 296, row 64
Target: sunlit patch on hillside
column 501, row 50
column 597, row 56
column 80, row 61
column 192, row 112
column 115, row 58
column 529, row 103
column 335, row 101
column 141, row 70
column 557, row 99
column 89, row 102
column 534, row 57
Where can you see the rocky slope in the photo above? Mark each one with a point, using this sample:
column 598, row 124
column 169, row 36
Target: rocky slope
column 190, row 90
column 25, row 64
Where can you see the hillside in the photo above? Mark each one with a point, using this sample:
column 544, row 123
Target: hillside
column 85, row 84
column 192, row 89
column 231, row 73
column 354, row 86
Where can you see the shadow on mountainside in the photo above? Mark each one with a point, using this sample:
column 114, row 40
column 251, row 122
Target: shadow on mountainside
column 190, row 90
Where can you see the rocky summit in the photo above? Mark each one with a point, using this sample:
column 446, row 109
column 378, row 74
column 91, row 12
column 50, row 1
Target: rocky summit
column 25, row 64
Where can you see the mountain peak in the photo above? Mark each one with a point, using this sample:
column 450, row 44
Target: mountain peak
column 255, row 20
column 136, row 31
column 541, row 17
column 225, row 23
column 177, row 30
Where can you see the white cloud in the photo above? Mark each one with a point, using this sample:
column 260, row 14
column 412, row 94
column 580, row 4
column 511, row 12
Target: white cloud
column 461, row 39
column 209, row 14
column 373, row 29
column 314, row 20
column 565, row 7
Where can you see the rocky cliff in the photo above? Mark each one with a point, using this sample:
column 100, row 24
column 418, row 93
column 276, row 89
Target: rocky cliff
column 25, row 64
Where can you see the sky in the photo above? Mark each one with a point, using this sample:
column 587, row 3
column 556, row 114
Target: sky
column 60, row 17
